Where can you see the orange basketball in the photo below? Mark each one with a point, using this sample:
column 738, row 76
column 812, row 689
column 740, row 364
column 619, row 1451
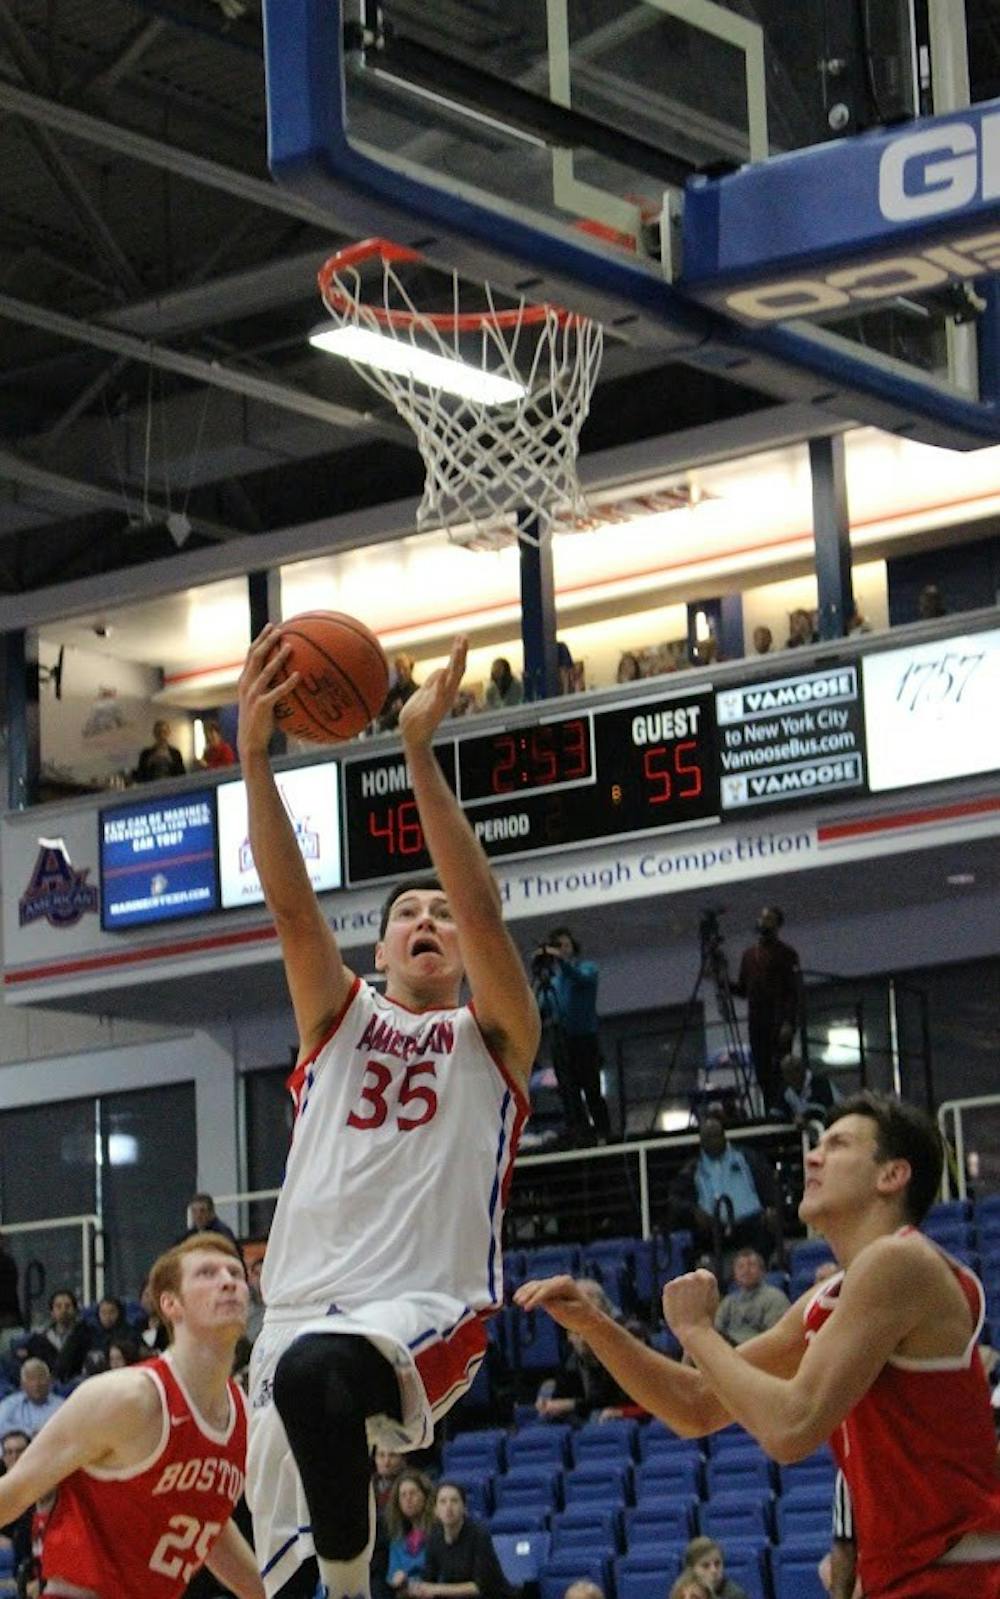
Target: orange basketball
column 344, row 677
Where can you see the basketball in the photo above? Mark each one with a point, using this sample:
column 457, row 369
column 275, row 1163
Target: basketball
column 344, row 677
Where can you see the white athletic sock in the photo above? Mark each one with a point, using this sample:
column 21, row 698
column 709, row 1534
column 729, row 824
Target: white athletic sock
column 346, row 1579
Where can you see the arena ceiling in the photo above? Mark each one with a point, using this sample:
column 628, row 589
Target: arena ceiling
column 156, row 291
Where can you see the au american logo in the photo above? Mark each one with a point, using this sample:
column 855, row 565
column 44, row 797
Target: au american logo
column 56, row 892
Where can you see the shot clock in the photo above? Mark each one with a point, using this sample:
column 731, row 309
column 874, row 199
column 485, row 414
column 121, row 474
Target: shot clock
column 569, row 781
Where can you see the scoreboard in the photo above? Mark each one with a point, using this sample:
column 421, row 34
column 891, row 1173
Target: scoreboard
column 855, row 725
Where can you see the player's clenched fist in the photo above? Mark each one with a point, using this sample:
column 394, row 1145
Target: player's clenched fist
column 690, row 1301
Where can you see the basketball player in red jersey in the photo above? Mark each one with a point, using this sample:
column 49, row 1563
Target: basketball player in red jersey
column 384, row 1256
column 149, row 1461
column 880, row 1359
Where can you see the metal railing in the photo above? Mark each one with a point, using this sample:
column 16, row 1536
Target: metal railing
column 91, row 1249
column 956, row 1176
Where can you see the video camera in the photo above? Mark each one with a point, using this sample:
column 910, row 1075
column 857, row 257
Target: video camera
column 709, row 931
column 543, row 965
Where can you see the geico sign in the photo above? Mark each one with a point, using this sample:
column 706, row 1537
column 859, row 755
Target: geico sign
column 929, row 173
column 913, row 273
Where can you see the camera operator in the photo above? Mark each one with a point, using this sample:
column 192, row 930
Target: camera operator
column 566, row 989
column 769, row 981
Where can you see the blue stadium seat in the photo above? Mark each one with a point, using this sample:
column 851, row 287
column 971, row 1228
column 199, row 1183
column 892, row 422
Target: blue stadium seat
column 656, row 1436
column 552, row 1260
column 477, row 1485
column 734, row 1471
column 651, row 1581
column 602, row 1479
column 748, row 1564
column 617, row 1437
column 521, row 1554
column 584, row 1536
column 815, row 1495
column 736, row 1516
column 560, row 1570
column 661, row 1520
column 644, row 1274
column 539, row 1342
column 525, row 1486
column 950, row 1210
column 794, row 1574
column 519, row 1518
column 535, row 1445
column 796, row 1521
column 584, row 1517
column 485, row 1447
column 662, row 1475
column 806, row 1255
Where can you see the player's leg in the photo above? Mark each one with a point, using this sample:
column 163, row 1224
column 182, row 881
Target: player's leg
column 304, row 1583
column 326, row 1385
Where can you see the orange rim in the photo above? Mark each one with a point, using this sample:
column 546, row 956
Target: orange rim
column 338, row 300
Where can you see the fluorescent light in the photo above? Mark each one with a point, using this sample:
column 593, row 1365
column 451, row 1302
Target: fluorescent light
column 960, row 879
column 406, row 360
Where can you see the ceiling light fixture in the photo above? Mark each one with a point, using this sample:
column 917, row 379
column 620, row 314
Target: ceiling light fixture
column 960, row 879
column 423, row 366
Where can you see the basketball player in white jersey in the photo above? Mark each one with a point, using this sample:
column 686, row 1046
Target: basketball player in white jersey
column 384, row 1254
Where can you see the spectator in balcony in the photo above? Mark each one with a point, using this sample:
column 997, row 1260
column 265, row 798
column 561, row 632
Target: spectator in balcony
column 763, row 641
column 159, row 759
column 727, row 1196
column 203, row 1219
column 402, row 688
column 29, row 1410
column 769, row 980
column 800, row 630
column 753, row 1305
column 49, row 1342
column 704, row 1557
column 460, row 1558
column 503, row 688
column 857, row 622
column 808, row 1093
column 217, row 751
column 566, row 669
column 930, row 603
column 629, row 668
column 566, row 990
column 409, row 1517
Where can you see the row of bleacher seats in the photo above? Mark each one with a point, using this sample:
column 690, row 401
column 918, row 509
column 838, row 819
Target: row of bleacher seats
column 764, row 1571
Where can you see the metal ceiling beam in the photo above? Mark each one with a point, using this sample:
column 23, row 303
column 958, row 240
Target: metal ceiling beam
column 229, row 298
column 101, row 497
column 131, row 52
column 194, row 367
column 140, row 147
column 65, row 178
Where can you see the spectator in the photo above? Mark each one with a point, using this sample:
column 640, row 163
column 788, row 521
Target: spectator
column 89, row 1351
column 10, row 1305
column 29, row 1410
column 503, row 687
column 122, row 1351
column 459, row 1554
column 255, row 1316
column 724, row 1189
column 16, row 1535
column 930, row 603
column 410, row 1517
column 690, row 1586
column 217, row 751
column 402, row 688
column 753, row 1305
column 629, row 669
column 159, row 759
column 387, row 1467
column 153, row 1337
column 704, row 1557
column 566, row 668
column 769, row 981
column 808, row 1094
column 49, row 1342
column 583, row 1389
column 203, row 1219
column 856, row 622
column 583, row 1588
column 800, row 630
column 763, row 641
column 566, row 987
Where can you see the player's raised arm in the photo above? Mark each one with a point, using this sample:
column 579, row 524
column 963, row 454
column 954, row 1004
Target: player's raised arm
column 678, row 1395
column 318, row 980
column 505, row 1006
column 87, row 1430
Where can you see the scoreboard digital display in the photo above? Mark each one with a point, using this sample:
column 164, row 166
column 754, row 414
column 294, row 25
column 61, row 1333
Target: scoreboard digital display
column 573, row 781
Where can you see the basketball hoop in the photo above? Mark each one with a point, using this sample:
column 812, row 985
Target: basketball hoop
column 496, row 397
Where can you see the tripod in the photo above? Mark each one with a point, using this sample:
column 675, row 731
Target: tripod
column 712, row 966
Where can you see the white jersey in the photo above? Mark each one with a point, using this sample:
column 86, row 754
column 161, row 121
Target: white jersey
column 405, row 1134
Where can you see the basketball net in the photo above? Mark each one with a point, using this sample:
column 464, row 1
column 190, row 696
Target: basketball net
column 494, row 472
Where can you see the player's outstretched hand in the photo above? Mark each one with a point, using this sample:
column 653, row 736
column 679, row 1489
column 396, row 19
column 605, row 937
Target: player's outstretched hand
column 562, row 1298
column 690, row 1301
column 263, row 681
column 426, row 709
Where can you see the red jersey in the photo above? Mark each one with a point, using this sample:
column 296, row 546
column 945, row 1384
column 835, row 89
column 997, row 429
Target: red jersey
column 918, row 1451
column 143, row 1532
